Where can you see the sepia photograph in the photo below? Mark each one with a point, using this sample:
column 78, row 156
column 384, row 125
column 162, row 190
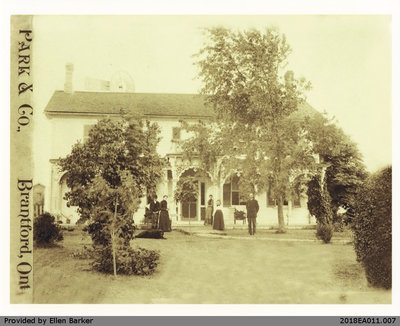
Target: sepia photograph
column 201, row 159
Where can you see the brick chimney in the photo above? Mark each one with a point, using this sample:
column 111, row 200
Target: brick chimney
column 69, row 70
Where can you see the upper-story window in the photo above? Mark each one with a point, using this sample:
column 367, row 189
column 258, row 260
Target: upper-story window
column 86, row 131
column 176, row 133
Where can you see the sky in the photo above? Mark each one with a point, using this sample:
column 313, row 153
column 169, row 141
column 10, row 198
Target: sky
column 346, row 58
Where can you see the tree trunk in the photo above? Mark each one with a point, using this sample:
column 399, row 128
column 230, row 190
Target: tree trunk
column 281, row 219
column 113, row 238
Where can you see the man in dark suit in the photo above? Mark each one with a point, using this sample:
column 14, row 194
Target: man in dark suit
column 252, row 210
column 155, row 210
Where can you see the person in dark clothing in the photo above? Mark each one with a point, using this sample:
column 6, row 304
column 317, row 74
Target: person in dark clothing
column 165, row 224
column 155, row 210
column 209, row 211
column 252, row 210
column 218, row 218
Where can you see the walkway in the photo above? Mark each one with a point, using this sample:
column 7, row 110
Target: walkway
column 293, row 235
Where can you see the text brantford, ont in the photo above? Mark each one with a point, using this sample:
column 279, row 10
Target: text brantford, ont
column 24, row 268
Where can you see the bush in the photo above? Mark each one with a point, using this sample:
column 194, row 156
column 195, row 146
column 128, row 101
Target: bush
column 46, row 231
column 99, row 229
column 372, row 227
column 319, row 202
column 324, row 232
column 339, row 223
column 84, row 253
column 129, row 261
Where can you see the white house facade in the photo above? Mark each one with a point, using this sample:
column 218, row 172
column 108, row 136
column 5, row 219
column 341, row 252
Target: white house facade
column 72, row 114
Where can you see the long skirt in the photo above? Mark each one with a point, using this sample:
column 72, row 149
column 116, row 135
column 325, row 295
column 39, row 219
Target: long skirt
column 165, row 224
column 219, row 222
column 209, row 217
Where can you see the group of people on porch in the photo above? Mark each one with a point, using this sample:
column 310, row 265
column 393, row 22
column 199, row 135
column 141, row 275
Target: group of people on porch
column 160, row 216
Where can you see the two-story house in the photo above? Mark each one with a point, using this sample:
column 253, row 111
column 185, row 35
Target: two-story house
column 72, row 114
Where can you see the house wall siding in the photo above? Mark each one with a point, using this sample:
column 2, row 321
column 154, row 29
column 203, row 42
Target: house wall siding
column 68, row 129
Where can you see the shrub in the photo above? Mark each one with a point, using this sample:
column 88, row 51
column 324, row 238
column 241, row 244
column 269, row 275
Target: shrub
column 319, row 202
column 46, row 231
column 324, row 232
column 339, row 223
column 99, row 229
column 129, row 261
column 84, row 253
column 372, row 227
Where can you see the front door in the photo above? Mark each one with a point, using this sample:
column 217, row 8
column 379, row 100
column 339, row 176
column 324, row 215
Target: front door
column 189, row 208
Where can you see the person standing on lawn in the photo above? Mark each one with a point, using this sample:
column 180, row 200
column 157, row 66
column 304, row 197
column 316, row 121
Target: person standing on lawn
column 252, row 210
column 219, row 218
column 209, row 211
column 155, row 210
column 165, row 224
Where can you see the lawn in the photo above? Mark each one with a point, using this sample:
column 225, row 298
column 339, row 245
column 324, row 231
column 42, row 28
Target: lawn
column 231, row 268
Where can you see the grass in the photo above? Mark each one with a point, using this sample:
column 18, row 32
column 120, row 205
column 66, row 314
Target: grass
column 198, row 269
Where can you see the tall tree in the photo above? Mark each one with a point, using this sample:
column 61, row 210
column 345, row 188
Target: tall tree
column 245, row 81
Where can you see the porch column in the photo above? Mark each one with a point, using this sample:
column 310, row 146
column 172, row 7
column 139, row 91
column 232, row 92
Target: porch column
column 174, row 206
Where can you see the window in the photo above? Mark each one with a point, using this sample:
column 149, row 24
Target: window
column 86, row 131
column 176, row 134
column 232, row 194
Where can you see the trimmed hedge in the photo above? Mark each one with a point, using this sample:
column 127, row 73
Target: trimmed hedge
column 46, row 231
column 372, row 228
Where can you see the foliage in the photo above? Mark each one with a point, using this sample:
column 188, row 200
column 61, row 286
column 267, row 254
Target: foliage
column 319, row 201
column 186, row 189
column 324, row 232
column 338, row 224
column 372, row 228
column 345, row 171
column 113, row 215
column 109, row 174
column 114, row 149
column 130, row 261
column 245, row 82
column 46, row 231
column 84, row 253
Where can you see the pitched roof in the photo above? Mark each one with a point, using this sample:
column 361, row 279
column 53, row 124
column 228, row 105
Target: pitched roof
column 149, row 104
column 94, row 103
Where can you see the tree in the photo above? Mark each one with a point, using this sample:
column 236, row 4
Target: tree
column 345, row 171
column 254, row 98
column 109, row 174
